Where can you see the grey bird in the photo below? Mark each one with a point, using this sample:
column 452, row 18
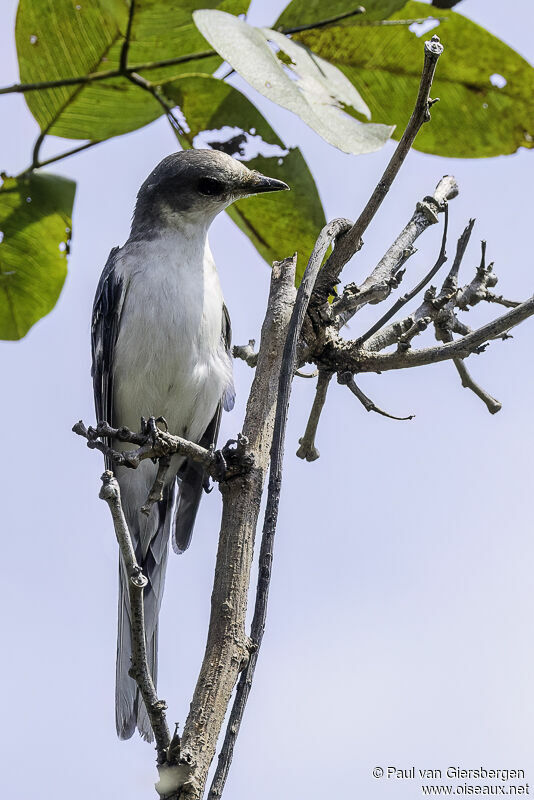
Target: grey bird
column 161, row 347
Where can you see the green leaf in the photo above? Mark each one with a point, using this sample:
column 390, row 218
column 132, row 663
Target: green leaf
column 304, row 12
column 310, row 87
column 64, row 38
column 278, row 223
column 35, row 226
column 474, row 118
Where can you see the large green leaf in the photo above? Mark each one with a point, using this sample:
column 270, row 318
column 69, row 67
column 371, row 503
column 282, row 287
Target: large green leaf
column 304, row 12
column 474, row 117
column 35, row 228
column 64, row 38
column 294, row 79
column 278, row 223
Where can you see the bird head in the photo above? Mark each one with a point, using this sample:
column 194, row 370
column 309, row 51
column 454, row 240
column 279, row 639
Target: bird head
column 193, row 186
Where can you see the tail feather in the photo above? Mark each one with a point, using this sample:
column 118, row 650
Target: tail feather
column 125, row 686
column 143, row 722
column 191, row 485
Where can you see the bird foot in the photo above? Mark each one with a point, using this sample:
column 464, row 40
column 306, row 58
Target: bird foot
column 232, row 460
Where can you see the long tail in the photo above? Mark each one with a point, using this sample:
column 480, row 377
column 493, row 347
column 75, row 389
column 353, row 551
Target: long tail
column 130, row 711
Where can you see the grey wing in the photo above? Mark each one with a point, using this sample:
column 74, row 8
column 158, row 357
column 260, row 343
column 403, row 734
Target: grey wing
column 192, row 478
column 107, row 308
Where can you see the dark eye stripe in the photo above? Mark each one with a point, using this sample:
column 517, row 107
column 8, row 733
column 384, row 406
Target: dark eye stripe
column 210, row 187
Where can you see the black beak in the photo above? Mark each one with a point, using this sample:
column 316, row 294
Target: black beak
column 260, row 183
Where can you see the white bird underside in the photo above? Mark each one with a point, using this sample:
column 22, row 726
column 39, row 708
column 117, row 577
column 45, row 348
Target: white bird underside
column 170, row 359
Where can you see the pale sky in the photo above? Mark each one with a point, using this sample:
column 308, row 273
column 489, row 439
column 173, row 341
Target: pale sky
column 400, row 629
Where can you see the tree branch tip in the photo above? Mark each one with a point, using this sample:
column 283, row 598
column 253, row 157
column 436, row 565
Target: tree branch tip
column 307, row 452
column 79, row 428
column 433, row 47
column 110, row 487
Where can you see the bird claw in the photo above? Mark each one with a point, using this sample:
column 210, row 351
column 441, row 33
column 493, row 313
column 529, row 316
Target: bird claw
column 149, row 428
column 221, row 467
column 232, row 459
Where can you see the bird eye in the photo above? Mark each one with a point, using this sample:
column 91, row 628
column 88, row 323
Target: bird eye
column 210, row 187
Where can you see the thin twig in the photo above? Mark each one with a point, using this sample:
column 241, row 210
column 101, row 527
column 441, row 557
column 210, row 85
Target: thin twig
column 162, row 444
column 323, row 22
column 386, row 23
column 425, row 214
column 287, row 369
column 37, row 148
column 123, row 63
column 307, row 449
column 451, row 281
column 140, row 671
column 347, row 379
column 106, row 74
column 156, row 492
column 442, row 257
column 491, row 403
column 138, row 80
column 59, row 157
column 349, row 244
column 343, row 355
column 491, row 297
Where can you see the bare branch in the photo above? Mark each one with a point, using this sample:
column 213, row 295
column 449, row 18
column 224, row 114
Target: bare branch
column 140, row 672
column 491, row 297
column 347, row 356
column 425, row 214
column 156, row 493
column 154, row 445
column 442, row 257
column 307, row 449
column 492, row 404
column 418, row 326
column 349, row 244
column 451, row 281
column 347, row 379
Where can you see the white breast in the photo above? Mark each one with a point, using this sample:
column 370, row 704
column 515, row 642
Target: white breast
column 169, row 358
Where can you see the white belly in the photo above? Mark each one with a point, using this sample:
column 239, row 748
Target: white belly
column 169, row 358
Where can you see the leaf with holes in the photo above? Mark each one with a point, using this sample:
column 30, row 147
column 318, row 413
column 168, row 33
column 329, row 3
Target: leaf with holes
column 485, row 87
column 68, row 38
column 306, row 12
column 295, row 79
column 35, row 231
column 221, row 117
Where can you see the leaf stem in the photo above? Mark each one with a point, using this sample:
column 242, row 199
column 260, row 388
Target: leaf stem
column 123, row 64
column 106, row 74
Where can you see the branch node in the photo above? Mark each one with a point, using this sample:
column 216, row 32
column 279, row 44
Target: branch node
column 246, row 352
